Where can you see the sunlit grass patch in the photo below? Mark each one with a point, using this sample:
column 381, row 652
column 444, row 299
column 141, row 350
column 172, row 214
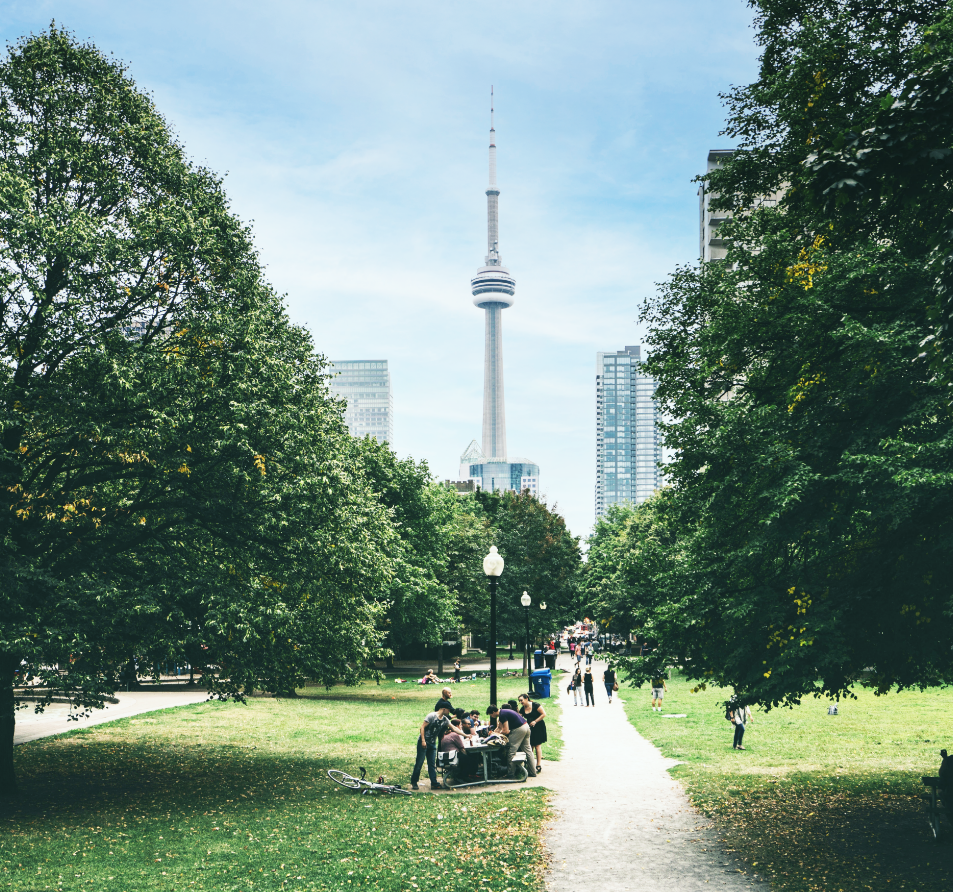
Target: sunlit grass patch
column 815, row 802
column 221, row 796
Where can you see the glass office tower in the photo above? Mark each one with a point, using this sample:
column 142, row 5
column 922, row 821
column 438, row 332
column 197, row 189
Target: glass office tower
column 365, row 384
column 628, row 445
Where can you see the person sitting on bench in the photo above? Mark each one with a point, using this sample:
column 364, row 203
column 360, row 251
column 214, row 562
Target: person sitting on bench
column 453, row 741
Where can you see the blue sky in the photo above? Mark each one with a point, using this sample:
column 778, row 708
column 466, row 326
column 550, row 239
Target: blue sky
column 353, row 135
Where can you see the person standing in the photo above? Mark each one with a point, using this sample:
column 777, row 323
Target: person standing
column 445, row 696
column 517, row 732
column 658, row 691
column 427, row 740
column 536, row 716
column 608, row 679
column 576, row 683
column 740, row 718
column 587, row 687
column 589, row 656
column 456, row 669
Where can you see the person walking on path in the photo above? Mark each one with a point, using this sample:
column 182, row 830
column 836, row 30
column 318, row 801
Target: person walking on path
column 608, row 679
column 572, row 648
column 536, row 716
column 427, row 741
column 576, row 684
column 587, row 687
column 516, row 729
column 589, row 653
column 658, row 691
column 740, row 718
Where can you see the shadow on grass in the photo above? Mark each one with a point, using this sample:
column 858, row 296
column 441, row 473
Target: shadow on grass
column 845, row 832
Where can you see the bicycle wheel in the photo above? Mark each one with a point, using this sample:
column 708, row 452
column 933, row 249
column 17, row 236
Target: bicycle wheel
column 344, row 779
column 400, row 790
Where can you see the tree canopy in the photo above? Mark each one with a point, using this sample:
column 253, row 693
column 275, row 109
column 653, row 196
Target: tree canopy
column 804, row 546
column 176, row 479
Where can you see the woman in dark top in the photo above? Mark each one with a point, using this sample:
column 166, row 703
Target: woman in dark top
column 536, row 716
column 587, row 687
column 608, row 679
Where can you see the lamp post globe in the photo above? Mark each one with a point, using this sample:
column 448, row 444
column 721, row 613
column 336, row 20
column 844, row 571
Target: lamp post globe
column 493, row 567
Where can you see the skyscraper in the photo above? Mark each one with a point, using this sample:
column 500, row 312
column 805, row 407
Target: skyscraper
column 493, row 289
column 365, row 384
column 628, row 445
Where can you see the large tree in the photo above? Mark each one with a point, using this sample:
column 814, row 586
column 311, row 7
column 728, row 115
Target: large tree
column 175, row 478
column 811, row 486
column 542, row 558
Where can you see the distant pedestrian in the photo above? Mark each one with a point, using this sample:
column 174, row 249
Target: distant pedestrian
column 576, row 683
column 658, row 691
column 456, row 669
column 572, row 648
column 740, row 718
column 589, row 655
column 587, row 687
column 608, row 679
column 427, row 741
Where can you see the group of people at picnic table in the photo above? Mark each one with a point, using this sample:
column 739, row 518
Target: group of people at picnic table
column 519, row 726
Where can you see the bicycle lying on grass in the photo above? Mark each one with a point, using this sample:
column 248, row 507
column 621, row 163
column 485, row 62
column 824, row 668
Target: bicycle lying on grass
column 363, row 785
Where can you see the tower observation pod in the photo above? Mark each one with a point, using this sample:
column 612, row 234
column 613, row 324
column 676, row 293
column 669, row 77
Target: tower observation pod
column 493, row 290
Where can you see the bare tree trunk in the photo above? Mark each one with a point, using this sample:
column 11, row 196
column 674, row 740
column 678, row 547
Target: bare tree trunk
column 440, row 658
column 8, row 720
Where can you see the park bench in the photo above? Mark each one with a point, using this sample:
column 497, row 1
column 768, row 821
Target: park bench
column 935, row 810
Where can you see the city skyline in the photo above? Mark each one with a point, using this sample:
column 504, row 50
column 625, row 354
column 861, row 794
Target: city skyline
column 359, row 163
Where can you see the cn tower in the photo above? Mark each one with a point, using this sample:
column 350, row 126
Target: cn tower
column 493, row 290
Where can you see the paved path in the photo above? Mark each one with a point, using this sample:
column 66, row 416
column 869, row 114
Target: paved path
column 622, row 823
column 54, row 719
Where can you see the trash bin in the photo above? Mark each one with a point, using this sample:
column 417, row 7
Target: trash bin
column 541, row 679
column 538, row 659
column 550, row 656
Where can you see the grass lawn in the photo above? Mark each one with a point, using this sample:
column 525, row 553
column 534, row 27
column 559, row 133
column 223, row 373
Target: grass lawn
column 220, row 796
column 815, row 802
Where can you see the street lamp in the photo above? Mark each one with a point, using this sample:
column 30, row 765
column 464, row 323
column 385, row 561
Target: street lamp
column 493, row 567
column 526, row 600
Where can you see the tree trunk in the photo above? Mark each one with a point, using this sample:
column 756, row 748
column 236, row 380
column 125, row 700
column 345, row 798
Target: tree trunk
column 440, row 658
column 389, row 663
column 8, row 721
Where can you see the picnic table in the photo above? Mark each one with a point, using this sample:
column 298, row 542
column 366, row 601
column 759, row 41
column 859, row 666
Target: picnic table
column 486, row 753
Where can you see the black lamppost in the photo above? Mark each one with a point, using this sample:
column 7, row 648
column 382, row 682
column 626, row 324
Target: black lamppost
column 526, row 600
column 493, row 567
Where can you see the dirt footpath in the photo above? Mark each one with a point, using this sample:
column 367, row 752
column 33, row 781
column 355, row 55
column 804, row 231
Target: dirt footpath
column 622, row 823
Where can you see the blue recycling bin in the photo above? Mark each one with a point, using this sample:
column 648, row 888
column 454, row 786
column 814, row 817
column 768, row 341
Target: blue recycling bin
column 538, row 660
column 541, row 680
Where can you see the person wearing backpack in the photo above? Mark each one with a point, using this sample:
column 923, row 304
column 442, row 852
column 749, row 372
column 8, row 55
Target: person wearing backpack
column 428, row 739
column 740, row 717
